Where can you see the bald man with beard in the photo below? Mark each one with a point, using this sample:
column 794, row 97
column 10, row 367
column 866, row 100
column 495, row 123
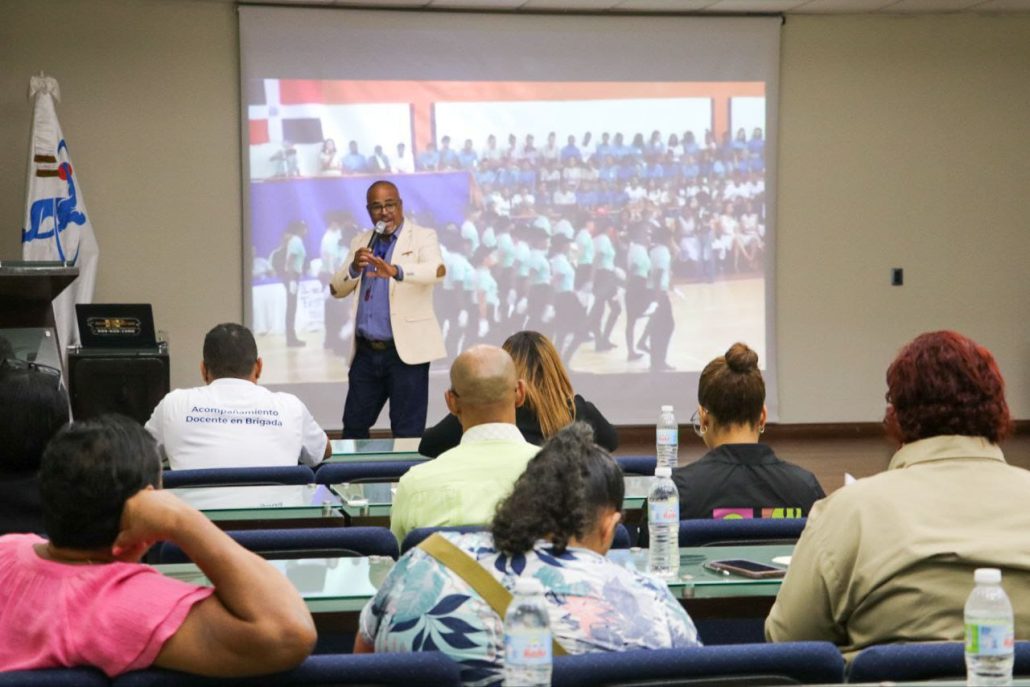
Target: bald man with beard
column 463, row 485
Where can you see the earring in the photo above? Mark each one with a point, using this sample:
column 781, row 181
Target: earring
column 703, row 429
column 761, row 430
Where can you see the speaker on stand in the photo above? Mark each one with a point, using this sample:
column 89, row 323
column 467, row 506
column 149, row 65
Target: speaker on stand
column 130, row 382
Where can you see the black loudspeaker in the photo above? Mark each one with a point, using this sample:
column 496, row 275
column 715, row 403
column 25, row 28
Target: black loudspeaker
column 128, row 383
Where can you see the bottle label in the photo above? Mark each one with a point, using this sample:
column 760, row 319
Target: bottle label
column 664, row 513
column 528, row 647
column 667, row 437
column 989, row 639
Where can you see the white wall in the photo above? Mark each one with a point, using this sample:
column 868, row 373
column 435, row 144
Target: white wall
column 905, row 141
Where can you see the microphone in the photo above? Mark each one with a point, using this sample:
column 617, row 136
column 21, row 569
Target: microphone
column 378, row 230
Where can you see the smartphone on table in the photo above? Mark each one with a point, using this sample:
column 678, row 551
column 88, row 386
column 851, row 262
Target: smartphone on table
column 746, row 568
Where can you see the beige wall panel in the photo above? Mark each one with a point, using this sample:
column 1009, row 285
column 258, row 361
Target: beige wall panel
column 905, row 142
column 150, row 109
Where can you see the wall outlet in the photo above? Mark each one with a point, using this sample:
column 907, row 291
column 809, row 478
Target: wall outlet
column 897, row 276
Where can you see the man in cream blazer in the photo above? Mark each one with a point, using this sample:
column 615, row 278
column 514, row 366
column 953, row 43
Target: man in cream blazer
column 396, row 331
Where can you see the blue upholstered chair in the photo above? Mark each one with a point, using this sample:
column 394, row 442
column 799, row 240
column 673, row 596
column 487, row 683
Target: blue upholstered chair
column 742, row 664
column 637, row 465
column 385, row 471
column 415, row 536
column 55, row 677
column 312, row 542
column 428, row 668
column 921, row 662
column 739, row 532
column 229, row 477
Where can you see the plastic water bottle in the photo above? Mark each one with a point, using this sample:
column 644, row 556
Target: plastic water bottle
column 989, row 631
column 667, row 438
column 663, row 519
column 527, row 637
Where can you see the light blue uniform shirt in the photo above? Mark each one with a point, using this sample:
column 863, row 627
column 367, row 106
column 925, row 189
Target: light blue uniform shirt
column 522, row 256
column 585, row 242
column 506, row 250
column 661, row 263
column 605, row 252
column 638, row 261
column 564, row 273
column 539, row 268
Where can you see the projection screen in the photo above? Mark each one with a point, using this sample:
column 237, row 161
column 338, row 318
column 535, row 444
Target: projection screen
column 607, row 181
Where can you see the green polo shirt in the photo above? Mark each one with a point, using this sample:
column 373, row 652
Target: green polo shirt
column 462, row 486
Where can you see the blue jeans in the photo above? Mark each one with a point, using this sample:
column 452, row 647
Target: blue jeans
column 376, row 376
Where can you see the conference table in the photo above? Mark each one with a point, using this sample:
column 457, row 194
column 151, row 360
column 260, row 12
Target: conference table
column 371, row 502
column 271, row 506
column 374, row 450
column 336, row 589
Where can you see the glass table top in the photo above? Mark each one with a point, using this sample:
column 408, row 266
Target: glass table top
column 374, row 499
column 366, row 450
column 345, row 584
column 266, row 502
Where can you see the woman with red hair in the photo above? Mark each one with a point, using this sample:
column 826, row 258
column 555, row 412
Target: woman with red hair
column 891, row 557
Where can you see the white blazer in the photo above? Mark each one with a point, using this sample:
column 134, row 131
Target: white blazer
column 416, row 331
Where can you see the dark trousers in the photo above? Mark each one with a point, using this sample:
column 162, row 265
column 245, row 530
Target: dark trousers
column 291, row 309
column 376, row 376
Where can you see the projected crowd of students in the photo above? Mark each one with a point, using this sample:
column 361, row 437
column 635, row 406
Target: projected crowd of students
column 565, row 239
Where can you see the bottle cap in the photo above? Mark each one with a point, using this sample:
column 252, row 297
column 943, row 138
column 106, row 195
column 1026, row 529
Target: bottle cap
column 528, row 585
column 663, row 471
column 987, row 576
column 666, row 409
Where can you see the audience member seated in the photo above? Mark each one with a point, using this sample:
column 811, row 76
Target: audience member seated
column 891, row 557
column 464, row 484
column 550, row 401
column 82, row 598
column 233, row 422
column 739, row 477
column 556, row 527
column 33, row 407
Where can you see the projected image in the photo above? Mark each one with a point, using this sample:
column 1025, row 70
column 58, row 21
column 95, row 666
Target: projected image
column 627, row 221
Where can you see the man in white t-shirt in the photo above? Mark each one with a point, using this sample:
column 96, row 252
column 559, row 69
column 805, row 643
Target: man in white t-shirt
column 233, row 422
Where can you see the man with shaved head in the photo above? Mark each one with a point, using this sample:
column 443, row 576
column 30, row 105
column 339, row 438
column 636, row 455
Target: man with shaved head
column 463, row 485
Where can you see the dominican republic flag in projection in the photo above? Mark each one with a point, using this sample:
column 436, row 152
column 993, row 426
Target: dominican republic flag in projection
column 276, row 117
column 57, row 226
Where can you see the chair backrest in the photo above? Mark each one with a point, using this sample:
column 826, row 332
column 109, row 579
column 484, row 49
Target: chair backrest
column 310, row 542
column 385, row 471
column 386, row 670
column 637, row 465
column 740, row 664
column 230, row 477
column 921, row 662
column 739, row 532
column 55, row 677
column 415, row 536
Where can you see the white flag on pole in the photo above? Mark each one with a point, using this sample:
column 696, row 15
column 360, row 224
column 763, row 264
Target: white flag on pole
column 57, row 226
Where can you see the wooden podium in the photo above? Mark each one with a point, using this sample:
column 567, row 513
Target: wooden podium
column 27, row 291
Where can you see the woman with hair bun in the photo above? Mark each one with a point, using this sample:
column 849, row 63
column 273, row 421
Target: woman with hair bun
column 739, row 477
column 556, row 526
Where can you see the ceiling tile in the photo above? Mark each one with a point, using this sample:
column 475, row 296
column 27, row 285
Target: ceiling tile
column 476, row 4
column 841, row 6
column 928, row 6
column 751, row 6
column 662, row 5
column 1002, row 6
column 380, row 3
column 569, row 4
